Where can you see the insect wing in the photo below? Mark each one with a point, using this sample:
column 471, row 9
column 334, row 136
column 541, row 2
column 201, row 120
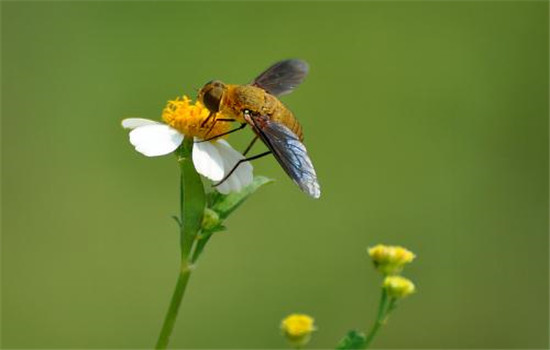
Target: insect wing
column 282, row 77
column 290, row 152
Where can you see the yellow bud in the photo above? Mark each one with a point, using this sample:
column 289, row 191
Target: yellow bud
column 297, row 329
column 390, row 260
column 398, row 287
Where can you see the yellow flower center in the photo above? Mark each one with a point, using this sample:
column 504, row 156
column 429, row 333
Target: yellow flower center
column 297, row 325
column 187, row 118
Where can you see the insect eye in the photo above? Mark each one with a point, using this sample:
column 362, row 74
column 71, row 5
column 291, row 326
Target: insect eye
column 212, row 99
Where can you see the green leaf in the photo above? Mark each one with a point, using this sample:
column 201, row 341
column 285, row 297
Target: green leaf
column 352, row 340
column 192, row 197
column 177, row 220
column 224, row 205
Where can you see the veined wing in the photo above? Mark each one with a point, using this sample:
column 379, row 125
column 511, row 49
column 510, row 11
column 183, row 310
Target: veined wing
column 282, row 77
column 289, row 152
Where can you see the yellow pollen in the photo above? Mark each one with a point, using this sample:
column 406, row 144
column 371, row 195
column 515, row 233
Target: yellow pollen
column 187, row 117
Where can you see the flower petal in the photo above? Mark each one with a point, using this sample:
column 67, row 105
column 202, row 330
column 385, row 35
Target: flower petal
column 241, row 177
column 224, row 188
column 232, row 184
column 132, row 123
column 155, row 139
column 208, row 161
column 244, row 171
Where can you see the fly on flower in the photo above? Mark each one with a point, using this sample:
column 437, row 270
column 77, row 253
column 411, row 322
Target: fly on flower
column 257, row 105
column 214, row 159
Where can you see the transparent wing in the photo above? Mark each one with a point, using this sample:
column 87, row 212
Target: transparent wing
column 290, row 153
column 282, row 77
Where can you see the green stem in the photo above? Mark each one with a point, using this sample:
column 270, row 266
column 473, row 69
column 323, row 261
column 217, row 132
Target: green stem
column 391, row 307
column 192, row 203
column 380, row 319
column 170, row 319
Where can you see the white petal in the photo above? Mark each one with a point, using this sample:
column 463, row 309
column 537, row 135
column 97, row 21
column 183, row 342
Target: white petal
column 244, row 171
column 155, row 139
column 241, row 177
column 224, row 188
column 231, row 184
column 208, row 161
column 132, row 123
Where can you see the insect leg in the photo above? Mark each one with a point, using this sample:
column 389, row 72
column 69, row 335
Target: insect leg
column 239, row 163
column 250, row 145
column 207, row 119
column 218, row 120
column 223, row 134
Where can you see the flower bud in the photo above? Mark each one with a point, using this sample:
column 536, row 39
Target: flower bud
column 398, row 287
column 210, row 220
column 390, row 260
column 297, row 329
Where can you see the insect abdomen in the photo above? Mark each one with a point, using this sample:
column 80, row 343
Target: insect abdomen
column 257, row 100
column 295, row 126
column 284, row 116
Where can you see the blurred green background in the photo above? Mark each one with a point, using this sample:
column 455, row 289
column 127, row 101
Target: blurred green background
column 426, row 121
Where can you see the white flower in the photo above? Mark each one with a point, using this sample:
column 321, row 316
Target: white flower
column 212, row 159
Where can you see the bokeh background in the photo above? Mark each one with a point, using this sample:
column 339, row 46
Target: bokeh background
column 427, row 123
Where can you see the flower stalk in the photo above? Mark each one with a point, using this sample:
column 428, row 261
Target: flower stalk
column 172, row 313
column 389, row 260
column 383, row 313
column 192, row 204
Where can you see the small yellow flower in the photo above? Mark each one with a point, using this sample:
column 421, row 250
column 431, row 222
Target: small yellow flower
column 390, row 260
column 398, row 287
column 298, row 328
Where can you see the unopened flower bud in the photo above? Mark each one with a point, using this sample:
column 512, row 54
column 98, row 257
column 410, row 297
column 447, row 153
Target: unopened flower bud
column 210, row 220
column 398, row 287
column 297, row 329
column 390, row 260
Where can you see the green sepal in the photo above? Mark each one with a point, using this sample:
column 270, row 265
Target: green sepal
column 225, row 204
column 352, row 340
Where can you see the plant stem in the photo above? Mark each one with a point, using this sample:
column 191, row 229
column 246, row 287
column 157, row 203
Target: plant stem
column 192, row 203
column 380, row 319
column 170, row 319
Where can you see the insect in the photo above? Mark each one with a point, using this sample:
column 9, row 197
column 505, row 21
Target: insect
column 257, row 105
